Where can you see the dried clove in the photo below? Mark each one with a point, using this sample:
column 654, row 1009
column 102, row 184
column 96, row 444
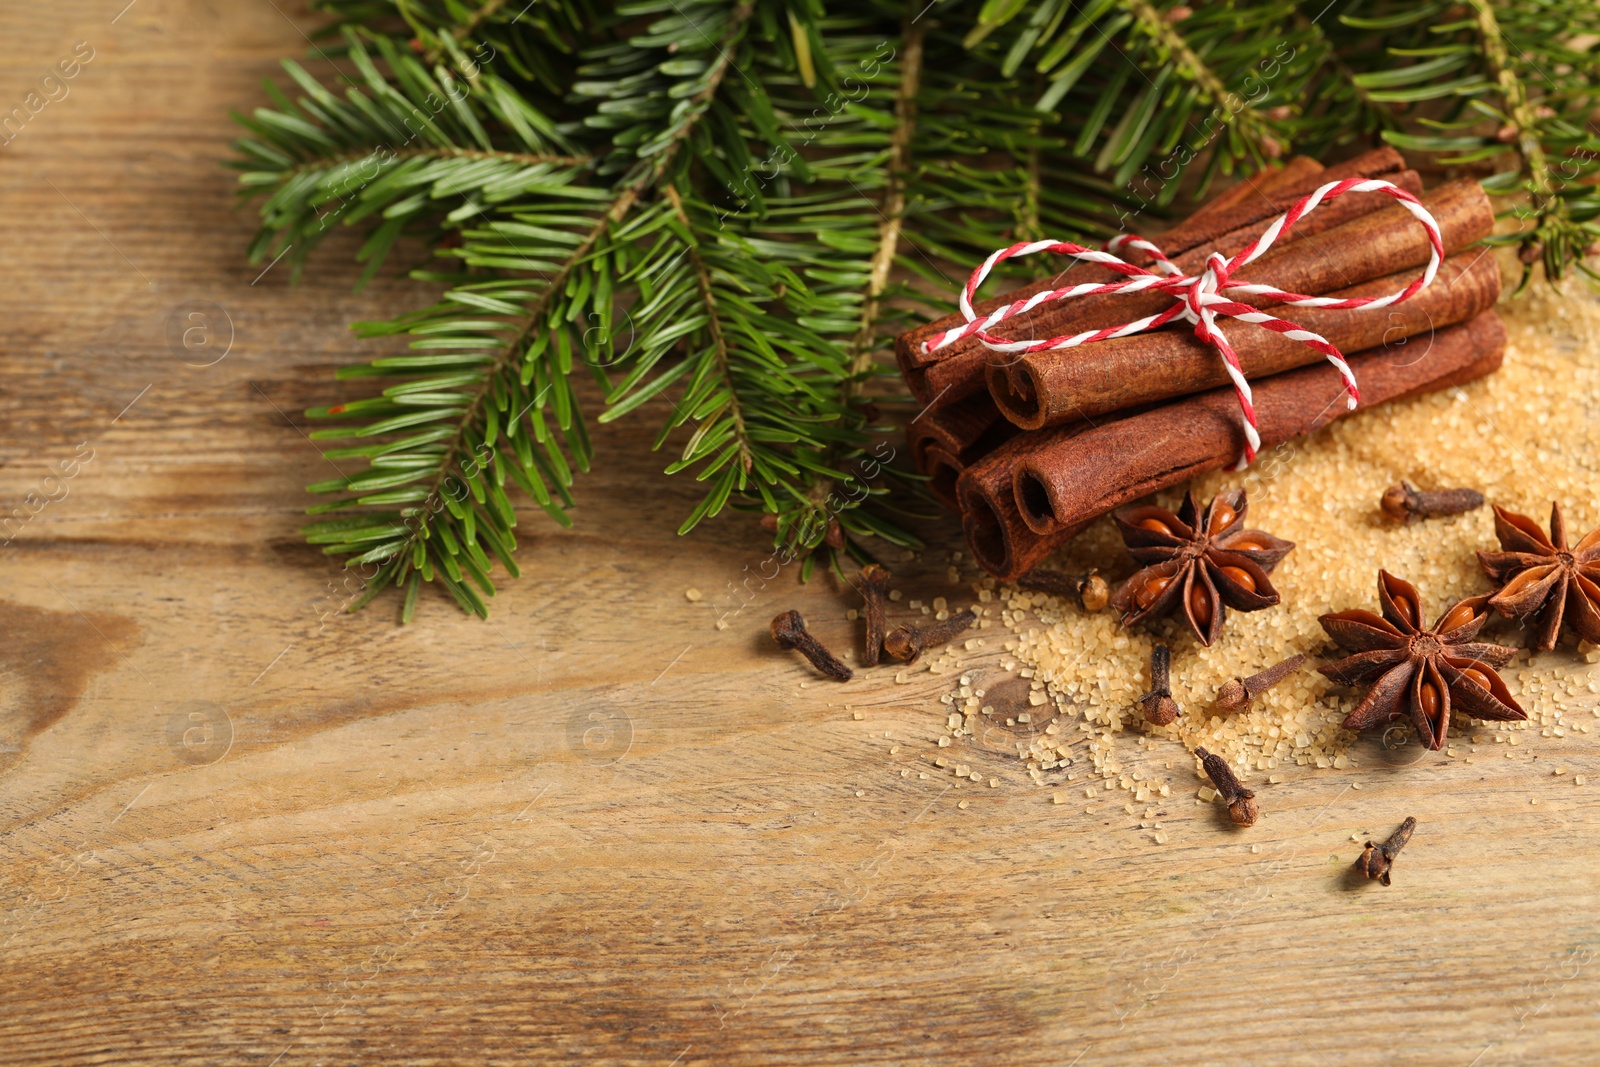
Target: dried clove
column 1159, row 707
column 789, row 631
column 875, row 595
column 1404, row 503
column 1375, row 860
column 1236, row 695
column 1089, row 590
column 907, row 642
column 1241, row 802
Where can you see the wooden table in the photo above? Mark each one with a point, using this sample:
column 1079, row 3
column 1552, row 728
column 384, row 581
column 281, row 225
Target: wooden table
column 237, row 829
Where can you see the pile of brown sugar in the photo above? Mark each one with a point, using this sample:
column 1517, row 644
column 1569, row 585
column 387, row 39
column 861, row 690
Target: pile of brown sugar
column 1526, row 436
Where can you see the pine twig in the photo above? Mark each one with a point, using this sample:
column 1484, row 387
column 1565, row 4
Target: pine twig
column 527, row 159
column 463, row 32
column 1167, row 37
column 1518, row 109
column 719, row 344
column 893, row 207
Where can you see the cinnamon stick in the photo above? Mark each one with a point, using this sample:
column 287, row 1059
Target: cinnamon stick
column 1045, row 388
column 1066, row 478
column 1207, row 231
column 1265, row 181
column 957, row 371
column 965, row 429
column 944, row 470
column 945, row 440
column 999, row 540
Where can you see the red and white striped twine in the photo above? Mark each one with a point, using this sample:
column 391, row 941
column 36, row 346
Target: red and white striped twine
column 1198, row 299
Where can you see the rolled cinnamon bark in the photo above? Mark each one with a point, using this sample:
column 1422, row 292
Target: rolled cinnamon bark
column 999, row 540
column 1065, row 478
column 957, row 371
column 964, row 429
column 945, row 440
column 944, row 470
column 1384, row 241
column 1046, row 388
column 1264, row 182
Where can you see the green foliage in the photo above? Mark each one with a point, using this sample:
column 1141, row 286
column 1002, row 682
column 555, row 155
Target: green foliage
column 1507, row 88
column 732, row 205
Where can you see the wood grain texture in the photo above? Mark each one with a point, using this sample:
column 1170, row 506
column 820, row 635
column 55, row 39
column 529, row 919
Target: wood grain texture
column 596, row 829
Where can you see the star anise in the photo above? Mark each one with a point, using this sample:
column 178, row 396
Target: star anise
column 1417, row 672
column 1541, row 580
column 1204, row 564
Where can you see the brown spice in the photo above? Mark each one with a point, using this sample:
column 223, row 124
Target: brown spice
column 1197, row 563
column 1089, row 590
column 1375, row 860
column 874, row 595
column 1159, row 707
column 1404, row 503
column 1294, row 729
column 1543, row 581
column 907, row 642
column 1236, row 695
column 789, row 631
column 1416, row 671
column 1241, row 802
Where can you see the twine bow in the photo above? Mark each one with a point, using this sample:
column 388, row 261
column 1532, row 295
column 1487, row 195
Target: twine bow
column 1197, row 299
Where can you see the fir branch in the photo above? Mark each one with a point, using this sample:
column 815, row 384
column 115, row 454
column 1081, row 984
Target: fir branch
column 892, row 208
column 1522, row 122
column 535, row 318
column 523, row 159
column 1530, row 73
column 719, row 343
column 472, row 426
column 758, row 186
column 1164, row 32
column 464, row 30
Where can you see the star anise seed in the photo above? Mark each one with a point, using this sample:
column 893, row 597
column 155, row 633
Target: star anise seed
column 1541, row 580
column 1200, row 563
column 1416, row 672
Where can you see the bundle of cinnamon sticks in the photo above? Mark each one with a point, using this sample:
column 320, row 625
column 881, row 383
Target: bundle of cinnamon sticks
column 1031, row 448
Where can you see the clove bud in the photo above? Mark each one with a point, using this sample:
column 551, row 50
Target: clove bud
column 1089, row 590
column 907, row 642
column 1159, row 707
column 1236, row 695
column 789, row 631
column 875, row 594
column 1404, row 503
column 1241, row 802
column 1375, row 860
